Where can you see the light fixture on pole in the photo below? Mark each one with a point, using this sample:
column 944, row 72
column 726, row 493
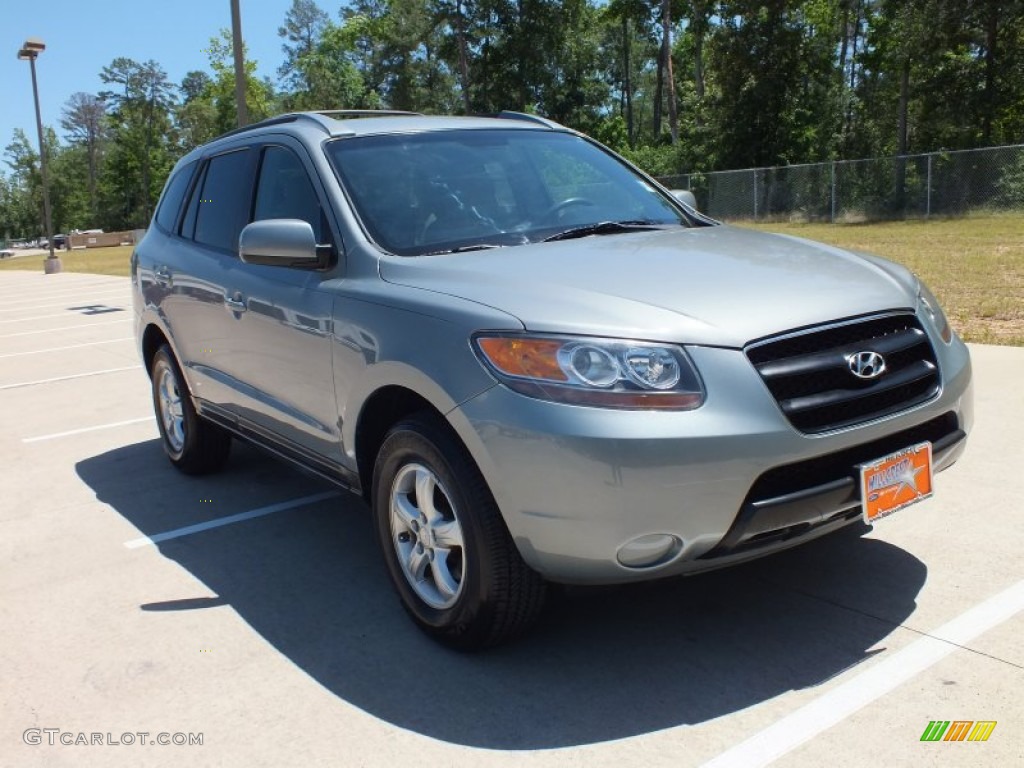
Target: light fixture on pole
column 29, row 52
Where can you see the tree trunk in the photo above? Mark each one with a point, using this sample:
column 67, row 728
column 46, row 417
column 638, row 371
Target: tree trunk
column 658, row 94
column 627, row 78
column 858, row 11
column 844, row 42
column 901, row 138
column 145, row 163
column 697, row 24
column 901, row 130
column 523, row 85
column 991, row 32
column 90, row 152
column 670, row 82
column 460, row 35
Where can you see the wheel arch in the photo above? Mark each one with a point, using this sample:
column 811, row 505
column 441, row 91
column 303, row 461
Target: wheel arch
column 152, row 339
column 380, row 412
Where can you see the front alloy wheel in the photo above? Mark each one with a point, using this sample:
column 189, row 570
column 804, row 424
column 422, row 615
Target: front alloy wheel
column 427, row 536
column 450, row 557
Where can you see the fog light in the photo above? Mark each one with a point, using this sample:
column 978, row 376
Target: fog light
column 652, row 549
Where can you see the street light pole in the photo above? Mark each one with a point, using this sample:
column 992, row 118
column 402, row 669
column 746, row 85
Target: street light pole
column 30, row 51
column 236, row 42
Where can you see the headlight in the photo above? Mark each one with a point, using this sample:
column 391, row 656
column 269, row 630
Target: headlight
column 608, row 373
column 931, row 309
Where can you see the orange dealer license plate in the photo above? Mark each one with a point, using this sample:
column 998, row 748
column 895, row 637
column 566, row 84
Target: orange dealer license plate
column 899, row 480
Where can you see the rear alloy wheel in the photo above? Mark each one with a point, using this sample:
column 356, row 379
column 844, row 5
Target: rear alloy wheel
column 195, row 446
column 448, row 552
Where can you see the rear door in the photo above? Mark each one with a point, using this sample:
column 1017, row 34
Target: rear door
column 192, row 268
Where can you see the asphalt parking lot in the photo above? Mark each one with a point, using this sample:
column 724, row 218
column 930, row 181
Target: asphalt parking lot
column 252, row 609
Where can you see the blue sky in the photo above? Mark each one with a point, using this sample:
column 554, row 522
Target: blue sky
column 83, row 36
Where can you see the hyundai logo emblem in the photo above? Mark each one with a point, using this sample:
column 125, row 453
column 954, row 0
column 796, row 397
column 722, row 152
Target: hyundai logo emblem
column 866, row 365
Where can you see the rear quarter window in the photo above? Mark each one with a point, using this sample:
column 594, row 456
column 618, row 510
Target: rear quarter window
column 174, row 195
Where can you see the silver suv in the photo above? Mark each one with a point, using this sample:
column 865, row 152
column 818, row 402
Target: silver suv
column 534, row 362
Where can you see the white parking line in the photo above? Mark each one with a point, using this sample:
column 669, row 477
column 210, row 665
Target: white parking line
column 72, row 376
column 835, row 706
column 59, row 314
column 25, row 296
column 21, row 306
column 83, row 430
column 66, row 328
column 72, row 346
column 188, row 530
column 19, row 295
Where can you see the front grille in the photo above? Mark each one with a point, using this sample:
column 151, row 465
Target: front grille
column 792, row 478
column 809, row 372
column 794, row 499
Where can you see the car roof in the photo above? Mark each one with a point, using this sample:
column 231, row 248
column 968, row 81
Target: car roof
column 316, row 126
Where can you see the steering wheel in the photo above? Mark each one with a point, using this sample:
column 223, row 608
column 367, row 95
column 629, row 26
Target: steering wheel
column 551, row 214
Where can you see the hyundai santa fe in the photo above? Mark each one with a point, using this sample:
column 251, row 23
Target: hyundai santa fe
column 534, row 362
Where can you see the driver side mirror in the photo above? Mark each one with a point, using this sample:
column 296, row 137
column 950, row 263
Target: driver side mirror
column 686, row 197
column 280, row 243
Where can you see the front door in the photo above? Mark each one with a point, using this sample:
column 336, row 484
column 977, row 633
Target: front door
column 282, row 316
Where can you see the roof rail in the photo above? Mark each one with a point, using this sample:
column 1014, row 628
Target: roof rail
column 507, row 114
column 320, row 117
column 342, row 113
column 289, row 118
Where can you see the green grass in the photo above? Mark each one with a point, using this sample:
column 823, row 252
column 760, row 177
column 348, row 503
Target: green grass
column 975, row 265
column 97, row 261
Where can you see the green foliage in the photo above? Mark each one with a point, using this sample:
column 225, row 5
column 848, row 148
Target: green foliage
column 142, row 147
column 612, row 132
column 304, row 25
column 656, row 159
column 789, row 81
column 220, row 91
column 1011, row 185
column 326, row 76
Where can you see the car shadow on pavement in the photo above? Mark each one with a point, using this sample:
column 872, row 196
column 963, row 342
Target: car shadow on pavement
column 603, row 663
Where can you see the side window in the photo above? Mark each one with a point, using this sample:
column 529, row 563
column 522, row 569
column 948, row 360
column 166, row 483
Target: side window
column 223, row 201
column 170, row 204
column 188, row 224
column 284, row 191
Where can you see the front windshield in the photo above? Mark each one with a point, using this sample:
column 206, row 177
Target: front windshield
column 444, row 191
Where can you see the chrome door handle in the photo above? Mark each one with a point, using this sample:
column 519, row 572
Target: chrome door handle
column 162, row 276
column 235, row 305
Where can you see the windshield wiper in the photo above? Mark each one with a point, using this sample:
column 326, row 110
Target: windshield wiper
column 465, row 248
column 604, row 228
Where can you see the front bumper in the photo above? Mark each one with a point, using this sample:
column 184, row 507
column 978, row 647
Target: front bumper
column 729, row 481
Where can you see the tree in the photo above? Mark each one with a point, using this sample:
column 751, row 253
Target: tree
column 666, row 78
column 769, row 80
column 329, row 78
column 24, row 187
column 142, row 143
column 85, row 122
column 23, row 199
column 220, row 89
column 196, row 116
column 304, row 25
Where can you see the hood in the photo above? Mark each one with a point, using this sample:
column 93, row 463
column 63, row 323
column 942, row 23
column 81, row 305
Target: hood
column 719, row 285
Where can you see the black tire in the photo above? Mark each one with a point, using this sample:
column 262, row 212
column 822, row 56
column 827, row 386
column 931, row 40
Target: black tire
column 499, row 597
column 201, row 447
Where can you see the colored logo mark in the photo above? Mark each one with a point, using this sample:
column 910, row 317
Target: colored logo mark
column 958, row 730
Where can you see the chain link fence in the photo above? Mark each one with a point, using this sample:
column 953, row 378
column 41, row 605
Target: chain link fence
column 849, row 191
